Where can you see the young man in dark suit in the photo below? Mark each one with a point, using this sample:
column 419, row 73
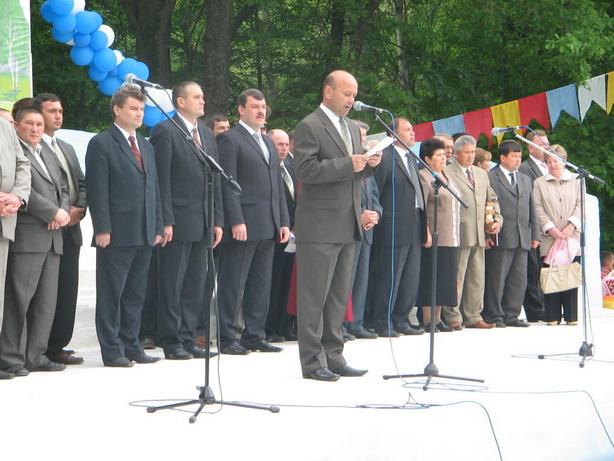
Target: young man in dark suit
column 124, row 201
column 506, row 255
column 254, row 221
column 182, row 257
column 68, row 280
column 34, row 257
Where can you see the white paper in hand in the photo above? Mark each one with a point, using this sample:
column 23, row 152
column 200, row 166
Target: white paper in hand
column 380, row 146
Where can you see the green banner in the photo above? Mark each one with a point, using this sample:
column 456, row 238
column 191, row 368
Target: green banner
column 15, row 56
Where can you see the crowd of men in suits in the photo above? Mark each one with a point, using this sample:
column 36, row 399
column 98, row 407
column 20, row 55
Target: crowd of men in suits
column 322, row 245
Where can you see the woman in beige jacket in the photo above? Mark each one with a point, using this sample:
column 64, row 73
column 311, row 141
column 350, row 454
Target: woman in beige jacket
column 557, row 204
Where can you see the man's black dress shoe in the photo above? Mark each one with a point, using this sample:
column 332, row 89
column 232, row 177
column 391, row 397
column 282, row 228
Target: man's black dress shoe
column 290, row 335
column 499, row 324
column 234, row 349
column 6, row 375
column 144, row 358
column 263, row 346
column 275, row 338
column 178, row 354
column 347, row 370
column 363, row 334
column 49, row 366
column 119, row 362
column 17, row 370
column 322, row 374
column 442, row 327
column 199, row 353
column 388, row 334
column 148, row 343
column 409, row 331
column 66, row 359
column 518, row 323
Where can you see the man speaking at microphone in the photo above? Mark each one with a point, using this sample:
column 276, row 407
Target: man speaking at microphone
column 328, row 225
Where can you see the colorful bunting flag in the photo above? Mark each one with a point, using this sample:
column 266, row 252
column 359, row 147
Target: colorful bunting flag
column 506, row 114
column 563, row 99
column 594, row 90
column 479, row 122
column 450, row 125
column 534, row 107
column 610, row 92
column 424, row 131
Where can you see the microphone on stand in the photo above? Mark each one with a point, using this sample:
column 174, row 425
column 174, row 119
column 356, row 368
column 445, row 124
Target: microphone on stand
column 508, row 129
column 362, row 106
column 134, row 80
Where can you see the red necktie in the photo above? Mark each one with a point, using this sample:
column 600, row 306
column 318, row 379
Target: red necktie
column 135, row 151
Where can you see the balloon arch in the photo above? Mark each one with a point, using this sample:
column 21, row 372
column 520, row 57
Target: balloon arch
column 91, row 42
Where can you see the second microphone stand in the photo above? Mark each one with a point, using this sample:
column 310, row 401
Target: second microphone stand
column 430, row 371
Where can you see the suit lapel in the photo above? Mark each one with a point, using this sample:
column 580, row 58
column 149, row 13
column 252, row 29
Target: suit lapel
column 400, row 163
column 251, row 141
column 124, row 146
column 35, row 163
column 330, row 129
column 195, row 149
column 460, row 174
column 501, row 177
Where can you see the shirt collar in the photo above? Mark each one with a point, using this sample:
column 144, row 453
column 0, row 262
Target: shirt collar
column 48, row 139
column 125, row 133
column 566, row 176
column 188, row 124
column 248, row 128
column 36, row 150
column 330, row 114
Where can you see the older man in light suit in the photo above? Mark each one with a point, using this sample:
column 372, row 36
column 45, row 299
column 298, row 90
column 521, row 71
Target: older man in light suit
column 475, row 189
column 14, row 193
column 328, row 225
column 506, row 259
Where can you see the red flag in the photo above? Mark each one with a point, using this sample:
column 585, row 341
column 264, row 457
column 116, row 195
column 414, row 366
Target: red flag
column 534, row 107
column 479, row 122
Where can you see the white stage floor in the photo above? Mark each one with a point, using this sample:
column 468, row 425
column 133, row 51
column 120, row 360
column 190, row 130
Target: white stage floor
column 533, row 409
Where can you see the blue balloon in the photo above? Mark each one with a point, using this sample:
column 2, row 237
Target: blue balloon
column 142, row 71
column 65, row 23
column 88, row 21
column 47, row 13
column 99, row 40
column 113, row 72
column 62, row 37
column 96, row 74
column 81, row 55
column 152, row 115
column 82, row 39
column 62, row 6
column 104, row 59
column 127, row 66
column 109, row 85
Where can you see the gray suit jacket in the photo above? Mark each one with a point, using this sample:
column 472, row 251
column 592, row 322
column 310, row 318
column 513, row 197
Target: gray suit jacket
column 15, row 174
column 529, row 168
column 47, row 196
column 328, row 209
column 472, row 218
column 517, row 210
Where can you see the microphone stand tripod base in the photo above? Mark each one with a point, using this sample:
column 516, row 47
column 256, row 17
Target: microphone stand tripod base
column 586, row 350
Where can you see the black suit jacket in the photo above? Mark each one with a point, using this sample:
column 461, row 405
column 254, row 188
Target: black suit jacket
column 79, row 179
column 529, row 168
column 123, row 198
column 47, row 195
column 182, row 177
column 405, row 200
column 262, row 206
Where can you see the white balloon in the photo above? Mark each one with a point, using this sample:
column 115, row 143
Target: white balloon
column 71, row 42
column 79, row 6
column 119, row 57
column 163, row 97
column 109, row 33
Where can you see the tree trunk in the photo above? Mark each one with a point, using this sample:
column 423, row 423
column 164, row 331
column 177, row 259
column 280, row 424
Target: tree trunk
column 151, row 22
column 403, row 76
column 217, row 48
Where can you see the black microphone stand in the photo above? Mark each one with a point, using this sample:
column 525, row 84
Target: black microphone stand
column 430, row 371
column 206, row 395
column 586, row 349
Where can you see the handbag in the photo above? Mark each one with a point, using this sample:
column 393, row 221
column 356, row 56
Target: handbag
column 554, row 279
